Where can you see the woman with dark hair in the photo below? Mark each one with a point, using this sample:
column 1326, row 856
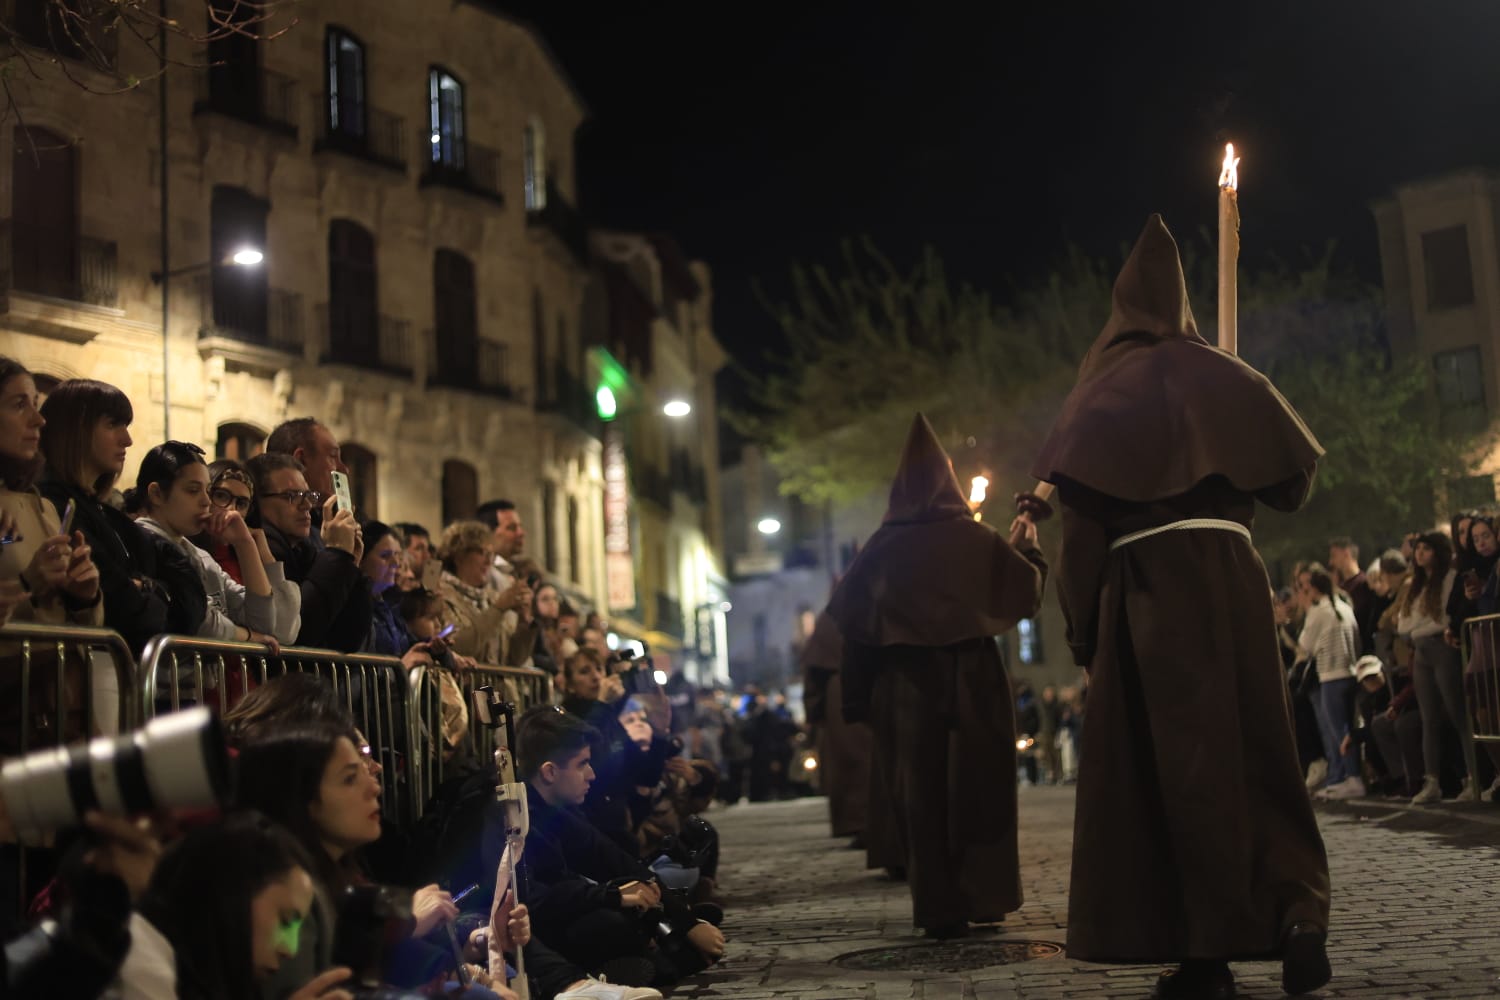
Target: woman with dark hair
column 1477, row 594
column 314, row 781
column 45, row 576
column 173, row 490
column 222, row 928
column 381, row 564
column 1437, row 668
column 149, row 586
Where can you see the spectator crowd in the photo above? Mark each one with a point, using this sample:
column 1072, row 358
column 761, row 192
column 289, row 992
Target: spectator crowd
column 615, row 892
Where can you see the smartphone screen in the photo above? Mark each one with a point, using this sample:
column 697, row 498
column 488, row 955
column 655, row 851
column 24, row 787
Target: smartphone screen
column 446, row 632
column 67, row 518
column 341, row 490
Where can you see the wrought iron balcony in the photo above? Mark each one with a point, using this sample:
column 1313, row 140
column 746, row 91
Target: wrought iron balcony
column 379, row 342
column 477, row 171
column 251, row 94
column 43, row 261
column 464, row 361
column 267, row 317
column 557, row 216
column 359, row 129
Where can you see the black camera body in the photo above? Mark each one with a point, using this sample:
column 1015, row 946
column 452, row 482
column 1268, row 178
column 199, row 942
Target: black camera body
column 638, row 676
column 372, row 920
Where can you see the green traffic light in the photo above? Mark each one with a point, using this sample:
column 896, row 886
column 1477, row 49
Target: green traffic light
column 604, row 401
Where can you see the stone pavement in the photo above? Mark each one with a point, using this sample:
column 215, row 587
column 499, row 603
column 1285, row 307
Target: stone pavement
column 1416, row 911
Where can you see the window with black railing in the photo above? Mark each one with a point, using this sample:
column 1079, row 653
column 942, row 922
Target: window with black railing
column 241, row 296
column 346, row 86
column 446, row 121
column 236, row 84
column 353, row 314
column 78, row 29
column 556, row 215
column 456, row 329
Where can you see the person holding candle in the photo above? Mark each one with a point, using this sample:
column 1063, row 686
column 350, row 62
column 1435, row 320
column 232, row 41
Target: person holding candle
column 919, row 610
column 1195, row 841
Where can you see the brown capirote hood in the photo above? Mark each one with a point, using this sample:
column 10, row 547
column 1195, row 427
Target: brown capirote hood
column 824, row 649
column 925, row 487
column 1156, row 409
column 932, row 575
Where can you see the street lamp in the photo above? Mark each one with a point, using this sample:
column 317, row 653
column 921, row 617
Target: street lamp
column 244, row 256
column 768, row 526
column 677, row 409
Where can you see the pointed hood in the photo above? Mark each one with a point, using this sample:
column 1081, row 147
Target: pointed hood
column 1150, row 298
column 925, row 488
column 1156, row 409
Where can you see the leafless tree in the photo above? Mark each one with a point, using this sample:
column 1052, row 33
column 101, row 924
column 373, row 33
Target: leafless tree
column 83, row 39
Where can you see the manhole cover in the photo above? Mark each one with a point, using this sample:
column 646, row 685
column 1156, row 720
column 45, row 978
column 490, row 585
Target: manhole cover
column 948, row 956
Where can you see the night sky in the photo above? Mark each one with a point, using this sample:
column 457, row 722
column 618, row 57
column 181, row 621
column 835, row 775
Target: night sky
column 759, row 134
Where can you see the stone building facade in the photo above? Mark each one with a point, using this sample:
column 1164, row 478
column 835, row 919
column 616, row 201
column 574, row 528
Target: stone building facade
column 407, row 170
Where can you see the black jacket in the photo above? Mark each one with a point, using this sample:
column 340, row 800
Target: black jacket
column 614, row 806
column 337, row 605
column 149, row 587
column 568, row 867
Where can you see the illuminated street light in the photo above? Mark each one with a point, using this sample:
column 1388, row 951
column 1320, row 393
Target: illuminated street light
column 247, row 257
column 677, row 409
column 768, row 526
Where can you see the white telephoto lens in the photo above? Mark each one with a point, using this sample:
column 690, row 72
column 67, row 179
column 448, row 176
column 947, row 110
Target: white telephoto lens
column 35, row 789
column 178, row 768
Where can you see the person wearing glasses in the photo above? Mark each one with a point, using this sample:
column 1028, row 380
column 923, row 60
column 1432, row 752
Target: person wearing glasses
column 174, row 490
column 229, row 488
column 336, row 600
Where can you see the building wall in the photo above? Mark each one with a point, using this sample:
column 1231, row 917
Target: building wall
column 408, row 422
column 1418, row 326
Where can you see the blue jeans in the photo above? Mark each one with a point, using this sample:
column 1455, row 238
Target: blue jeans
column 1336, row 698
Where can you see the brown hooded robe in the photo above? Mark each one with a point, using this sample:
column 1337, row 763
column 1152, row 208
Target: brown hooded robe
column 918, row 611
column 844, row 747
column 1194, row 836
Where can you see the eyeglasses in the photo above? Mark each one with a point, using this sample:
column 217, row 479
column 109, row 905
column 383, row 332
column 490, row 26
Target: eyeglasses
column 221, row 497
column 299, row 498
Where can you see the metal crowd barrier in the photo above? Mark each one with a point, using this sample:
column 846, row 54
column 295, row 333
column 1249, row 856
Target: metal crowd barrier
column 182, row 670
column 59, row 684
column 521, row 686
column 1482, row 678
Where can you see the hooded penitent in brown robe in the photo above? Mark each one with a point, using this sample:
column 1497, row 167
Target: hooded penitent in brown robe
column 918, row 611
column 843, row 747
column 1194, row 837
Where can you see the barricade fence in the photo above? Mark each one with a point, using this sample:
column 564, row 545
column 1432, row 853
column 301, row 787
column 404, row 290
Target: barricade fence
column 1482, row 677
column 179, row 671
column 59, row 685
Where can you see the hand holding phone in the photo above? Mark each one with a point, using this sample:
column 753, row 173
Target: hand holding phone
column 341, row 490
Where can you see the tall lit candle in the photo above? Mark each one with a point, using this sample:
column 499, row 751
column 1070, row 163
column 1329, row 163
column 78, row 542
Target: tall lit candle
column 979, row 488
column 1229, row 250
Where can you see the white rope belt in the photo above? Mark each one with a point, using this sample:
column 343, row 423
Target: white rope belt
column 1190, row 524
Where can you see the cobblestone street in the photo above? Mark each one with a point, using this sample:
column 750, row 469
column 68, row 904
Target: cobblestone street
column 1415, row 912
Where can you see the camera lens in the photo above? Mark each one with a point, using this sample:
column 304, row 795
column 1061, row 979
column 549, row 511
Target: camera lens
column 177, row 761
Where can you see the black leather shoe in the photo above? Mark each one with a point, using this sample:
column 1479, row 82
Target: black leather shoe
column 1196, row 981
column 1304, row 959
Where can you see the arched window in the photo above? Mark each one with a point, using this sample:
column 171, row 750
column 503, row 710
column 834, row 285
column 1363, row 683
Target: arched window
column 239, row 441
column 457, row 320
column 346, row 86
column 460, row 491
column 353, row 324
column 446, row 100
column 44, row 214
column 364, row 489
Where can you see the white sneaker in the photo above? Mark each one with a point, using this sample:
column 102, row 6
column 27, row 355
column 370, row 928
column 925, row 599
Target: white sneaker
column 1349, row 788
column 598, row 989
column 1317, row 773
column 1468, row 793
column 1493, row 795
column 1431, row 792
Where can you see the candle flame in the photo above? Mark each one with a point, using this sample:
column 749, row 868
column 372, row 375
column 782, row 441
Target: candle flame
column 978, row 487
column 1229, row 176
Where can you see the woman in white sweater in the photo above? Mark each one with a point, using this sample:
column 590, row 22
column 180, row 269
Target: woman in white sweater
column 1329, row 636
column 172, row 488
column 1437, row 668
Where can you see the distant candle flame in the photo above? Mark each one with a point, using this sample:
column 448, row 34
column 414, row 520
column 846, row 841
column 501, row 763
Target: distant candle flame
column 1229, row 177
column 978, row 487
